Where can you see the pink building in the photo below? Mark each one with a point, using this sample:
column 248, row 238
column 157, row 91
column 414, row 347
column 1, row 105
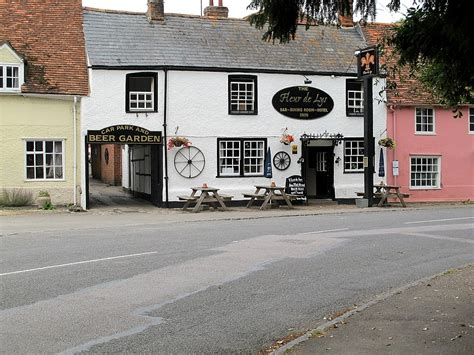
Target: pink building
column 434, row 155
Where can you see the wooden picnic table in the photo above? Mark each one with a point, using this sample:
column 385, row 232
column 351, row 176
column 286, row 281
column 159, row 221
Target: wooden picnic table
column 268, row 194
column 384, row 192
column 207, row 195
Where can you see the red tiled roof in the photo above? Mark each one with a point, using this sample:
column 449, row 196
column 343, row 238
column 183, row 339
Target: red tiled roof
column 48, row 35
column 408, row 89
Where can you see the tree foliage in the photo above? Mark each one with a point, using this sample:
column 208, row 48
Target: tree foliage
column 434, row 40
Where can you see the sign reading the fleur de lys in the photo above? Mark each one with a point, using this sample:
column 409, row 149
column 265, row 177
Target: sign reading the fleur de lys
column 124, row 134
column 368, row 62
column 302, row 102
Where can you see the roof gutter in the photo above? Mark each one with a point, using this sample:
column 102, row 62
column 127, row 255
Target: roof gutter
column 220, row 69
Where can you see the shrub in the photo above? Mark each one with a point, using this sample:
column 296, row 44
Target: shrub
column 15, row 198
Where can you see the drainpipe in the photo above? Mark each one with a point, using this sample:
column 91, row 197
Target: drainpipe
column 74, row 140
column 165, row 135
column 394, row 126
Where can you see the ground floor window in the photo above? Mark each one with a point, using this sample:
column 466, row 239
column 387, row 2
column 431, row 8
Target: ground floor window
column 241, row 156
column 424, row 172
column 354, row 156
column 44, row 160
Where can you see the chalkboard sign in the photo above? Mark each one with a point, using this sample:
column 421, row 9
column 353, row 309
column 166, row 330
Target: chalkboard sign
column 295, row 186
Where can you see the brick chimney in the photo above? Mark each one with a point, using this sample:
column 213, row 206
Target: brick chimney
column 216, row 11
column 345, row 14
column 155, row 11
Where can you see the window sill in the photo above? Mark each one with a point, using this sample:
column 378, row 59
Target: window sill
column 238, row 176
column 43, row 180
column 353, row 172
column 243, row 113
column 424, row 188
column 134, row 112
column 425, row 133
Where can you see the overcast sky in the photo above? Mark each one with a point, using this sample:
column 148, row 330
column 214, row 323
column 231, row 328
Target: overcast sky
column 237, row 8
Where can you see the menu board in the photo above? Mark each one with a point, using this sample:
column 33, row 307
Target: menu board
column 295, row 186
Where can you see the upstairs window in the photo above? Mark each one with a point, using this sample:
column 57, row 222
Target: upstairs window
column 354, row 98
column 424, row 121
column 242, row 95
column 141, row 92
column 9, row 77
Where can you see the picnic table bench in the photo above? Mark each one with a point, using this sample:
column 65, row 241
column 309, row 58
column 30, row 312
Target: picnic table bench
column 208, row 195
column 385, row 192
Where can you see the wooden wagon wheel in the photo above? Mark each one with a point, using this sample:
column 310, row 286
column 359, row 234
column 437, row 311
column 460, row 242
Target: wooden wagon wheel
column 189, row 162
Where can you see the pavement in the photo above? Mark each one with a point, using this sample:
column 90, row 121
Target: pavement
column 431, row 316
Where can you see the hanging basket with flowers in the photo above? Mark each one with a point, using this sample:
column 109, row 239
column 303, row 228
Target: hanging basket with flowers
column 286, row 138
column 178, row 142
column 387, row 142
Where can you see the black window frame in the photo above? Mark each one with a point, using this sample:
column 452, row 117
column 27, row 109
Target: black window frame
column 344, row 154
column 350, row 85
column 243, row 78
column 241, row 163
column 155, row 91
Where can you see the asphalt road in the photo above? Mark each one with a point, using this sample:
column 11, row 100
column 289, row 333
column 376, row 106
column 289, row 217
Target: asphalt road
column 215, row 286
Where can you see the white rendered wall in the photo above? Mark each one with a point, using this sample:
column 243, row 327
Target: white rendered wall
column 197, row 104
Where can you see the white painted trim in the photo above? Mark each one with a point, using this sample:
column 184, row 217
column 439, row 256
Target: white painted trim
column 429, row 133
column 12, row 51
column 25, row 176
column 469, row 119
column 438, row 187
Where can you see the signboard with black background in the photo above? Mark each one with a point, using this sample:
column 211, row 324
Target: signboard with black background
column 302, row 102
column 296, row 186
column 368, row 62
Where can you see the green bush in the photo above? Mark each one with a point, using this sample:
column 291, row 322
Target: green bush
column 15, row 198
column 48, row 206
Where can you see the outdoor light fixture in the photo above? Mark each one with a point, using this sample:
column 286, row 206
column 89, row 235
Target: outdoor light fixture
column 307, row 81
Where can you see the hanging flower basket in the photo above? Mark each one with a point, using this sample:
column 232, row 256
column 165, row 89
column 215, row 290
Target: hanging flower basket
column 388, row 143
column 178, row 142
column 286, row 139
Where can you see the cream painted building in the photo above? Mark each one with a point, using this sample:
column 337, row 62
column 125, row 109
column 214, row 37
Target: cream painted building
column 42, row 81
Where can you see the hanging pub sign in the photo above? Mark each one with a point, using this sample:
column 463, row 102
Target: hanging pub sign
column 367, row 62
column 302, row 102
column 124, row 134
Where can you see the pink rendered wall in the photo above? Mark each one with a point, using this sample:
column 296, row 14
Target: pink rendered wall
column 452, row 142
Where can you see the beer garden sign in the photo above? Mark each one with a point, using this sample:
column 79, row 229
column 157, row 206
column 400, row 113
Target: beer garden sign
column 124, row 134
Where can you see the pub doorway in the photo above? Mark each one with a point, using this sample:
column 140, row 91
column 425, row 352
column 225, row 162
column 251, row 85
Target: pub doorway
column 120, row 174
column 319, row 169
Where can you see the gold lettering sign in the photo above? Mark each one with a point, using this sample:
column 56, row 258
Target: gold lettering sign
column 124, row 134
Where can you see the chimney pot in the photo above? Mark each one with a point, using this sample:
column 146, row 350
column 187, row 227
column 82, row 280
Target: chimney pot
column 345, row 14
column 155, row 11
column 216, row 11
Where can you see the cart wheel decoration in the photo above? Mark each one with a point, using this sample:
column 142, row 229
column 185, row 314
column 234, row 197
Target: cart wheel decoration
column 189, row 162
column 281, row 160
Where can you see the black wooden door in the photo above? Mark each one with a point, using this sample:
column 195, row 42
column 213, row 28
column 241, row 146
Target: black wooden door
column 324, row 172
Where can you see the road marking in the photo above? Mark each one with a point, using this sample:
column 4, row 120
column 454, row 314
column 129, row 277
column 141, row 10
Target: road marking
column 441, row 237
column 78, row 263
column 440, row 220
column 326, row 231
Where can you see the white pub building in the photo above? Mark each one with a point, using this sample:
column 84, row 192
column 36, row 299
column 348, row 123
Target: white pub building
column 160, row 80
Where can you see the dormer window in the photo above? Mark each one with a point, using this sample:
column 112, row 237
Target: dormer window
column 11, row 69
column 9, row 77
column 141, row 92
